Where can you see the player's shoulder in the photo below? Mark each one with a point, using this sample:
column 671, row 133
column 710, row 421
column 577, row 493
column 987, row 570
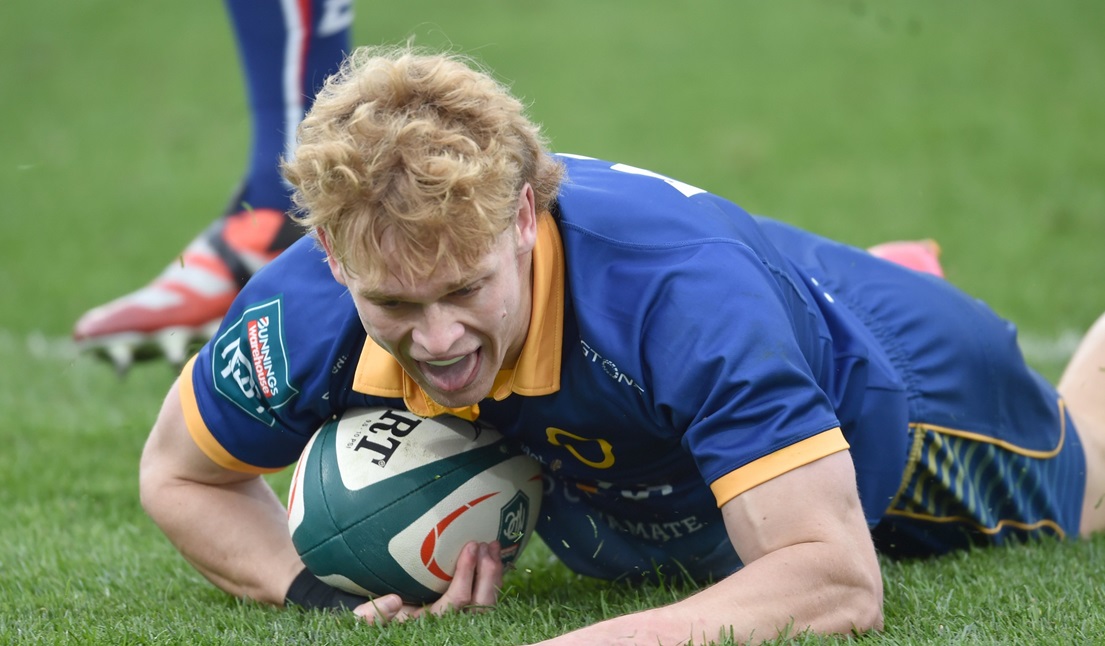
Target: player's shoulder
column 631, row 206
column 296, row 292
column 594, row 184
column 289, row 327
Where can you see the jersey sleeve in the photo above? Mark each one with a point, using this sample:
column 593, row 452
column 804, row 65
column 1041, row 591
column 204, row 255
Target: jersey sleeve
column 202, row 433
column 695, row 303
column 259, row 389
column 734, row 355
column 735, row 358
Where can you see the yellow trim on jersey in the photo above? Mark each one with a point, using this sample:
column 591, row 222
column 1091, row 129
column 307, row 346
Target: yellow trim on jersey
column 775, row 464
column 974, row 524
column 914, row 461
column 538, row 369
column 201, row 435
column 1012, row 448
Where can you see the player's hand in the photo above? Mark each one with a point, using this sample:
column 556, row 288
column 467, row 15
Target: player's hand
column 475, row 588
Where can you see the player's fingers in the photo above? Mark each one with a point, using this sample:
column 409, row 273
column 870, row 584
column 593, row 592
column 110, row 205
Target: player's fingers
column 459, row 593
column 381, row 609
column 489, row 576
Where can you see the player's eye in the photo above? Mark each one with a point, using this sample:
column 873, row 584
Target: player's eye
column 386, row 303
column 467, row 290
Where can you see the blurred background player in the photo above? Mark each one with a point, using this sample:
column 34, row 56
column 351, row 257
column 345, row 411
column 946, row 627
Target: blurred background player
column 287, row 49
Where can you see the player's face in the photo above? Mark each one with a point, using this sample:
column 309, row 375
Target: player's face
column 454, row 331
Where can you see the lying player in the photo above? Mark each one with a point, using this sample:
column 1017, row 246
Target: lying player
column 710, row 393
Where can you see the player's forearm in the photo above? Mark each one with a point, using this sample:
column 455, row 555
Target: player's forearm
column 826, row 589
column 805, row 587
column 229, row 525
column 235, row 535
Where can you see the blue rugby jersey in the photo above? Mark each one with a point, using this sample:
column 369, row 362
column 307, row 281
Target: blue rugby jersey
column 680, row 352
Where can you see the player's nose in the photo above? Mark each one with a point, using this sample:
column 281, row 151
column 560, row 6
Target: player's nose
column 437, row 330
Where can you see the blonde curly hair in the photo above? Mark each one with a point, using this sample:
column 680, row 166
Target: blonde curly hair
column 425, row 146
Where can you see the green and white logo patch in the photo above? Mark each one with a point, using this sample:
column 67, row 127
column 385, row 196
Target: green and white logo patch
column 513, row 520
column 249, row 362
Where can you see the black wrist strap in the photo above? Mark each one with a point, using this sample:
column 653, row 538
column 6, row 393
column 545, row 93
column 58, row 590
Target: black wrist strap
column 309, row 592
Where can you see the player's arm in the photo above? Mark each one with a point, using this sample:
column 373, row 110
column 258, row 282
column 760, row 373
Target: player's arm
column 233, row 529
column 229, row 525
column 810, row 564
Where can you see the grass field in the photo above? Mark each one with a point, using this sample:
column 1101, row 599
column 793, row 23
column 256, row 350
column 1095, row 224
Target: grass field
column 123, row 129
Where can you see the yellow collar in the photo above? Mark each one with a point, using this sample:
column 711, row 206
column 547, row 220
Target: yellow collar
column 538, row 369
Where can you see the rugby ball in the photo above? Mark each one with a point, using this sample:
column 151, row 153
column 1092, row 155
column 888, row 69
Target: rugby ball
column 382, row 500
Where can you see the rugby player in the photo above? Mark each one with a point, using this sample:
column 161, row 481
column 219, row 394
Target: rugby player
column 711, row 394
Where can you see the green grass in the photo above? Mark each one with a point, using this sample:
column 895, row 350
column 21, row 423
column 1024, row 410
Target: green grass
column 123, row 130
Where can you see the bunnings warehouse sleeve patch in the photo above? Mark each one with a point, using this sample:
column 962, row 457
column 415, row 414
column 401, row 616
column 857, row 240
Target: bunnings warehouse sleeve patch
column 249, row 362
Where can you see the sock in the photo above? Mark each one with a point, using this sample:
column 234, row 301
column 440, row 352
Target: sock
column 287, row 48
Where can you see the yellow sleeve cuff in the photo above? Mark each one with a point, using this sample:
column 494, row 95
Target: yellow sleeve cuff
column 755, row 473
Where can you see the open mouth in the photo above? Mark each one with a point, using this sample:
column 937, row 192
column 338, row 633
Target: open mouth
column 453, row 374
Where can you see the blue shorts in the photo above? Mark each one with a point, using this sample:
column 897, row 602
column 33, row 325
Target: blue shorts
column 992, row 454
column 963, row 443
column 961, row 489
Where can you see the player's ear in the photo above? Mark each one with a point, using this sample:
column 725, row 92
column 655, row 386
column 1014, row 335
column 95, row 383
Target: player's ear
column 526, row 223
column 335, row 266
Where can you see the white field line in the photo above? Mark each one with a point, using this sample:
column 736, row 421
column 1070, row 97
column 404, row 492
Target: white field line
column 1037, row 348
column 1050, row 349
column 39, row 346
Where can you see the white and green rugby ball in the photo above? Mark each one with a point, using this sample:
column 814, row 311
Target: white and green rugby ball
column 382, row 501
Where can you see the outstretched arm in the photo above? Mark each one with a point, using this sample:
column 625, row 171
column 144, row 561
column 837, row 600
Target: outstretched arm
column 810, row 565
column 233, row 529
column 229, row 525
